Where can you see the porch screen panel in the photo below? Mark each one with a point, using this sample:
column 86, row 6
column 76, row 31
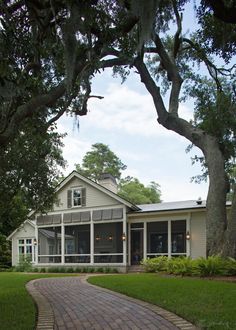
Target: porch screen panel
column 178, row 236
column 157, row 237
column 77, row 244
column 49, row 244
column 108, row 244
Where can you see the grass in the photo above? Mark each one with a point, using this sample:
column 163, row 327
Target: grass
column 17, row 309
column 208, row 304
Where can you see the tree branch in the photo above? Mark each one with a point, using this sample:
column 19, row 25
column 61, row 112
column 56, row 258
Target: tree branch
column 172, row 73
column 212, row 69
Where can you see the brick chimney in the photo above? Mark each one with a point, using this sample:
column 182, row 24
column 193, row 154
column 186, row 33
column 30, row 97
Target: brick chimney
column 109, row 182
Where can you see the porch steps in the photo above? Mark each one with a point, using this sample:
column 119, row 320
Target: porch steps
column 135, row 269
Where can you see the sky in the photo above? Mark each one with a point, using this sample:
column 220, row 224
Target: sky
column 126, row 121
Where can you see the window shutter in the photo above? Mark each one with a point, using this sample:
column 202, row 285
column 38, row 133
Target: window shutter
column 83, row 198
column 69, row 198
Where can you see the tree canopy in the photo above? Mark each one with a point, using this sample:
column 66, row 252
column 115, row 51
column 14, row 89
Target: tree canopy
column 100, row 160
column 134, row 191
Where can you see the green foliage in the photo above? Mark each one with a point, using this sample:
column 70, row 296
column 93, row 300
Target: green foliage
column 213, row 265
column 185, row 266
column 100, row 160
column 155, row 265
column 180, row 266
column 28, row 171
column 5, row 252
column 134, row 191
column 24, row 265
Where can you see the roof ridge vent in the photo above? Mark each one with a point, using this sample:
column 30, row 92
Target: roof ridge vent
column 199, row 201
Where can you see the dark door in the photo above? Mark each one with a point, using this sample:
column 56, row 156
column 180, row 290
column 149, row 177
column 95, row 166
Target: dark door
column 136, row 246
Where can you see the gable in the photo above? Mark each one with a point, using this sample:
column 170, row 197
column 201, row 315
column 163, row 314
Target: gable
column 94, row 197
column 24, row 231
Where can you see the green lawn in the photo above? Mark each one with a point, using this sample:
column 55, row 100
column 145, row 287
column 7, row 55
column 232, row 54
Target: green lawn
column 208, row 304
column 17, row 309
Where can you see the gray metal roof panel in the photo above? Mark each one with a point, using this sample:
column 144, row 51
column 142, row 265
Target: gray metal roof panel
column 171, row 206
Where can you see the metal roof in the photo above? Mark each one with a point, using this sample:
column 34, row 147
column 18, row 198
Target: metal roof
column 171, row 206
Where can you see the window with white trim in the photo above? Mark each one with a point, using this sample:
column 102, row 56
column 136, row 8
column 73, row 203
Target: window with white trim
column 76, row 197
column 25, row 248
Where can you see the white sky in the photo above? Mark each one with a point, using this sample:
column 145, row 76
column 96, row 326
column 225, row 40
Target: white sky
column 125, row 120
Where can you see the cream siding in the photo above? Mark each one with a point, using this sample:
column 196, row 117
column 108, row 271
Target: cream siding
column 198, row 234
column 26, row 231
column 94, row 197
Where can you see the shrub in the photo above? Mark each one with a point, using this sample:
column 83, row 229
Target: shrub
column 180, row 266
column 70, row 270
column 230, row 267
column 43, row 270
column 213, row 265
column 84, row 270
column 114, row 270
column 100, row 270
column 35, row 270
column 157, row 264
column 78, row 270
column 25, row 264
column 53, row 270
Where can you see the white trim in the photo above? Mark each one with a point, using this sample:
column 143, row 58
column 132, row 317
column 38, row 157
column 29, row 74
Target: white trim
column 62, row 243
column 91, row 241
column 188, row 241
column 144, row 239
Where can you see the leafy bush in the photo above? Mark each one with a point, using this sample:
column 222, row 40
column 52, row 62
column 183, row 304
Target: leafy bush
column 185, row 266
column 180, row 266
column 114, row 270
column 157, row 264
column 99, row 270
column 230, row 267
column 213, row 265
column 70, row 270
column 78, row 270
column 42, row 270
column 24, row 265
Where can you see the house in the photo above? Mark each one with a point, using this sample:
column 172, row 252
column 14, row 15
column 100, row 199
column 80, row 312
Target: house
column 90, row 225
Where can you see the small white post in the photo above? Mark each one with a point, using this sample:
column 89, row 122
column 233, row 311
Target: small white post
column 62, row 244
column 144, row 240
column 169, row 238
column 91, row 241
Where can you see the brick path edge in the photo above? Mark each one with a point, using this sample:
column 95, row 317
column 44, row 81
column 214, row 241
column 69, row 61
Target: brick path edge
column 44, row 315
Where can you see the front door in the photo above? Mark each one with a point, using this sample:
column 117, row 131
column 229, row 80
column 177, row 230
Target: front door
column 136, row 246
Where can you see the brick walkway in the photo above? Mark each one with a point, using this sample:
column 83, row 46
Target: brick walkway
column 75, row 304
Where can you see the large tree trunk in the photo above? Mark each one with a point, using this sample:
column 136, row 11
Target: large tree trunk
column 216, row 198
column 229, row 247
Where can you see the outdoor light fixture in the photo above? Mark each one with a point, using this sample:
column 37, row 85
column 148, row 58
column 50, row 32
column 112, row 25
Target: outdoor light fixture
column 187, row 235
column 35, row 241
column 123, row 237
column 98, row 238
column 110, row 238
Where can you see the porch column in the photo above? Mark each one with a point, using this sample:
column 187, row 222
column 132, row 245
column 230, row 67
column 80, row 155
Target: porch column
column 36, row 246
column 125, row 241
column 62, row 244
column 91, row 242
column 188, row 241
column 169, row 238
column 144, row 240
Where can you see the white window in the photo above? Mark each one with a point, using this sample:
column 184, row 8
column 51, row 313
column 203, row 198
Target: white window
column 25, row 248
column 76, row 197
